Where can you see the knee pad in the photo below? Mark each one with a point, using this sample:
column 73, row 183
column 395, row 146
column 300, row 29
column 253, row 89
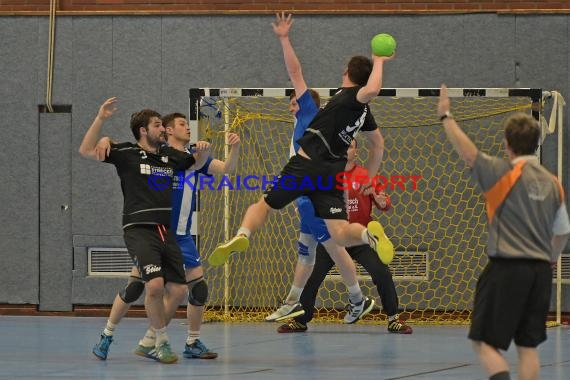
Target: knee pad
column 307, row 249
column 133, row 290
column 197, row 292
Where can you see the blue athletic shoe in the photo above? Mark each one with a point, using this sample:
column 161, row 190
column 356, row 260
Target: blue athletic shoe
column 101, row 349
column 198, row 350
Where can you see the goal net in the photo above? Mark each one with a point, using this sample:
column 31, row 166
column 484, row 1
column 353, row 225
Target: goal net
column 438, row 228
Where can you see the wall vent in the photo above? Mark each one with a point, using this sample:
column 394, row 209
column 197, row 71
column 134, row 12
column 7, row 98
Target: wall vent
column 109, row 262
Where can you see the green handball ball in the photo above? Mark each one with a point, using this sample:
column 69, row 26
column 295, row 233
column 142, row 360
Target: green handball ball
column 383, row 45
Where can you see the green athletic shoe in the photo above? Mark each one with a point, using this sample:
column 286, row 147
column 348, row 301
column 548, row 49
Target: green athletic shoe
column 223, row 251
column 380, row 242
column 145, row 352
column 162, row 353
column 165, row 354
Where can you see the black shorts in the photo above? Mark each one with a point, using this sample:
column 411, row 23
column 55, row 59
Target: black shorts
column 316, row 179
column 155, row 253
column 512, row 299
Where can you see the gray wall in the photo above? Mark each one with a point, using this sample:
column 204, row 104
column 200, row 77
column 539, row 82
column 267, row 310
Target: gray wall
column 153, row 61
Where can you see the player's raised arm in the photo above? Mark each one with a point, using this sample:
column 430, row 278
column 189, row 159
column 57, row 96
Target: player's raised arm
column 202, row 153
column 281, row 28
column 229, row 165
column 374, row 84
column 460, row 141
column 103, row 148
column 89, row 144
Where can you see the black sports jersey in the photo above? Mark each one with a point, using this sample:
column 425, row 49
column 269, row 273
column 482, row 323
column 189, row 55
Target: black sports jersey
column 334, row 127
column 146, row 181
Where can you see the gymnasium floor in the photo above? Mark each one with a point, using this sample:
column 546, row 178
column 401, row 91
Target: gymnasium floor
column 60, row 348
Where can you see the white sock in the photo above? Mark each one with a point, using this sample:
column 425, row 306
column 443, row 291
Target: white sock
column 393, row 317
column 109, row 328
column 354, row 293
column 294, row 295
column 192, row 337
column 149, row 339
column 161, row 336
column 364, row 236
column 244, row 231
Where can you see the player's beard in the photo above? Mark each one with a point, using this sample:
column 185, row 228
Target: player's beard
column 157, row 142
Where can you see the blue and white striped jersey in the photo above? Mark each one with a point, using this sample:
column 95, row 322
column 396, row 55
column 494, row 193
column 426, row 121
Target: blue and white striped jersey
column 184, row 198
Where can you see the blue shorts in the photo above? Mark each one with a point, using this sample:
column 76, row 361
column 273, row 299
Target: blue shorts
column 189, row 251
column 310, row 223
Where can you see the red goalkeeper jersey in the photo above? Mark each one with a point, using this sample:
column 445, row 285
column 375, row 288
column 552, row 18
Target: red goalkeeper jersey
column 358, row 205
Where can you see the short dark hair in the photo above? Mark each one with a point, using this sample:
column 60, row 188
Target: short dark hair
column 167, row 120
column 358, row 69
column 522, row 133
column 140, row 120
column 315, row 95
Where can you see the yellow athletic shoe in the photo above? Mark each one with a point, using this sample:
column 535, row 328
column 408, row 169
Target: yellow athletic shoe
column 223, row 251
column 380, row 242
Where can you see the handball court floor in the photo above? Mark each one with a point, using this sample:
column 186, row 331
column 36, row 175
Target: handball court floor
column 57, row 347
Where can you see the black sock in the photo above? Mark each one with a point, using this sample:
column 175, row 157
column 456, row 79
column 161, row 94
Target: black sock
column 501, row 376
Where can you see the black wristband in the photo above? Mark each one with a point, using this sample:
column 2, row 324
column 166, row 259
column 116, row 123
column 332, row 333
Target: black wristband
column 446, row 115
